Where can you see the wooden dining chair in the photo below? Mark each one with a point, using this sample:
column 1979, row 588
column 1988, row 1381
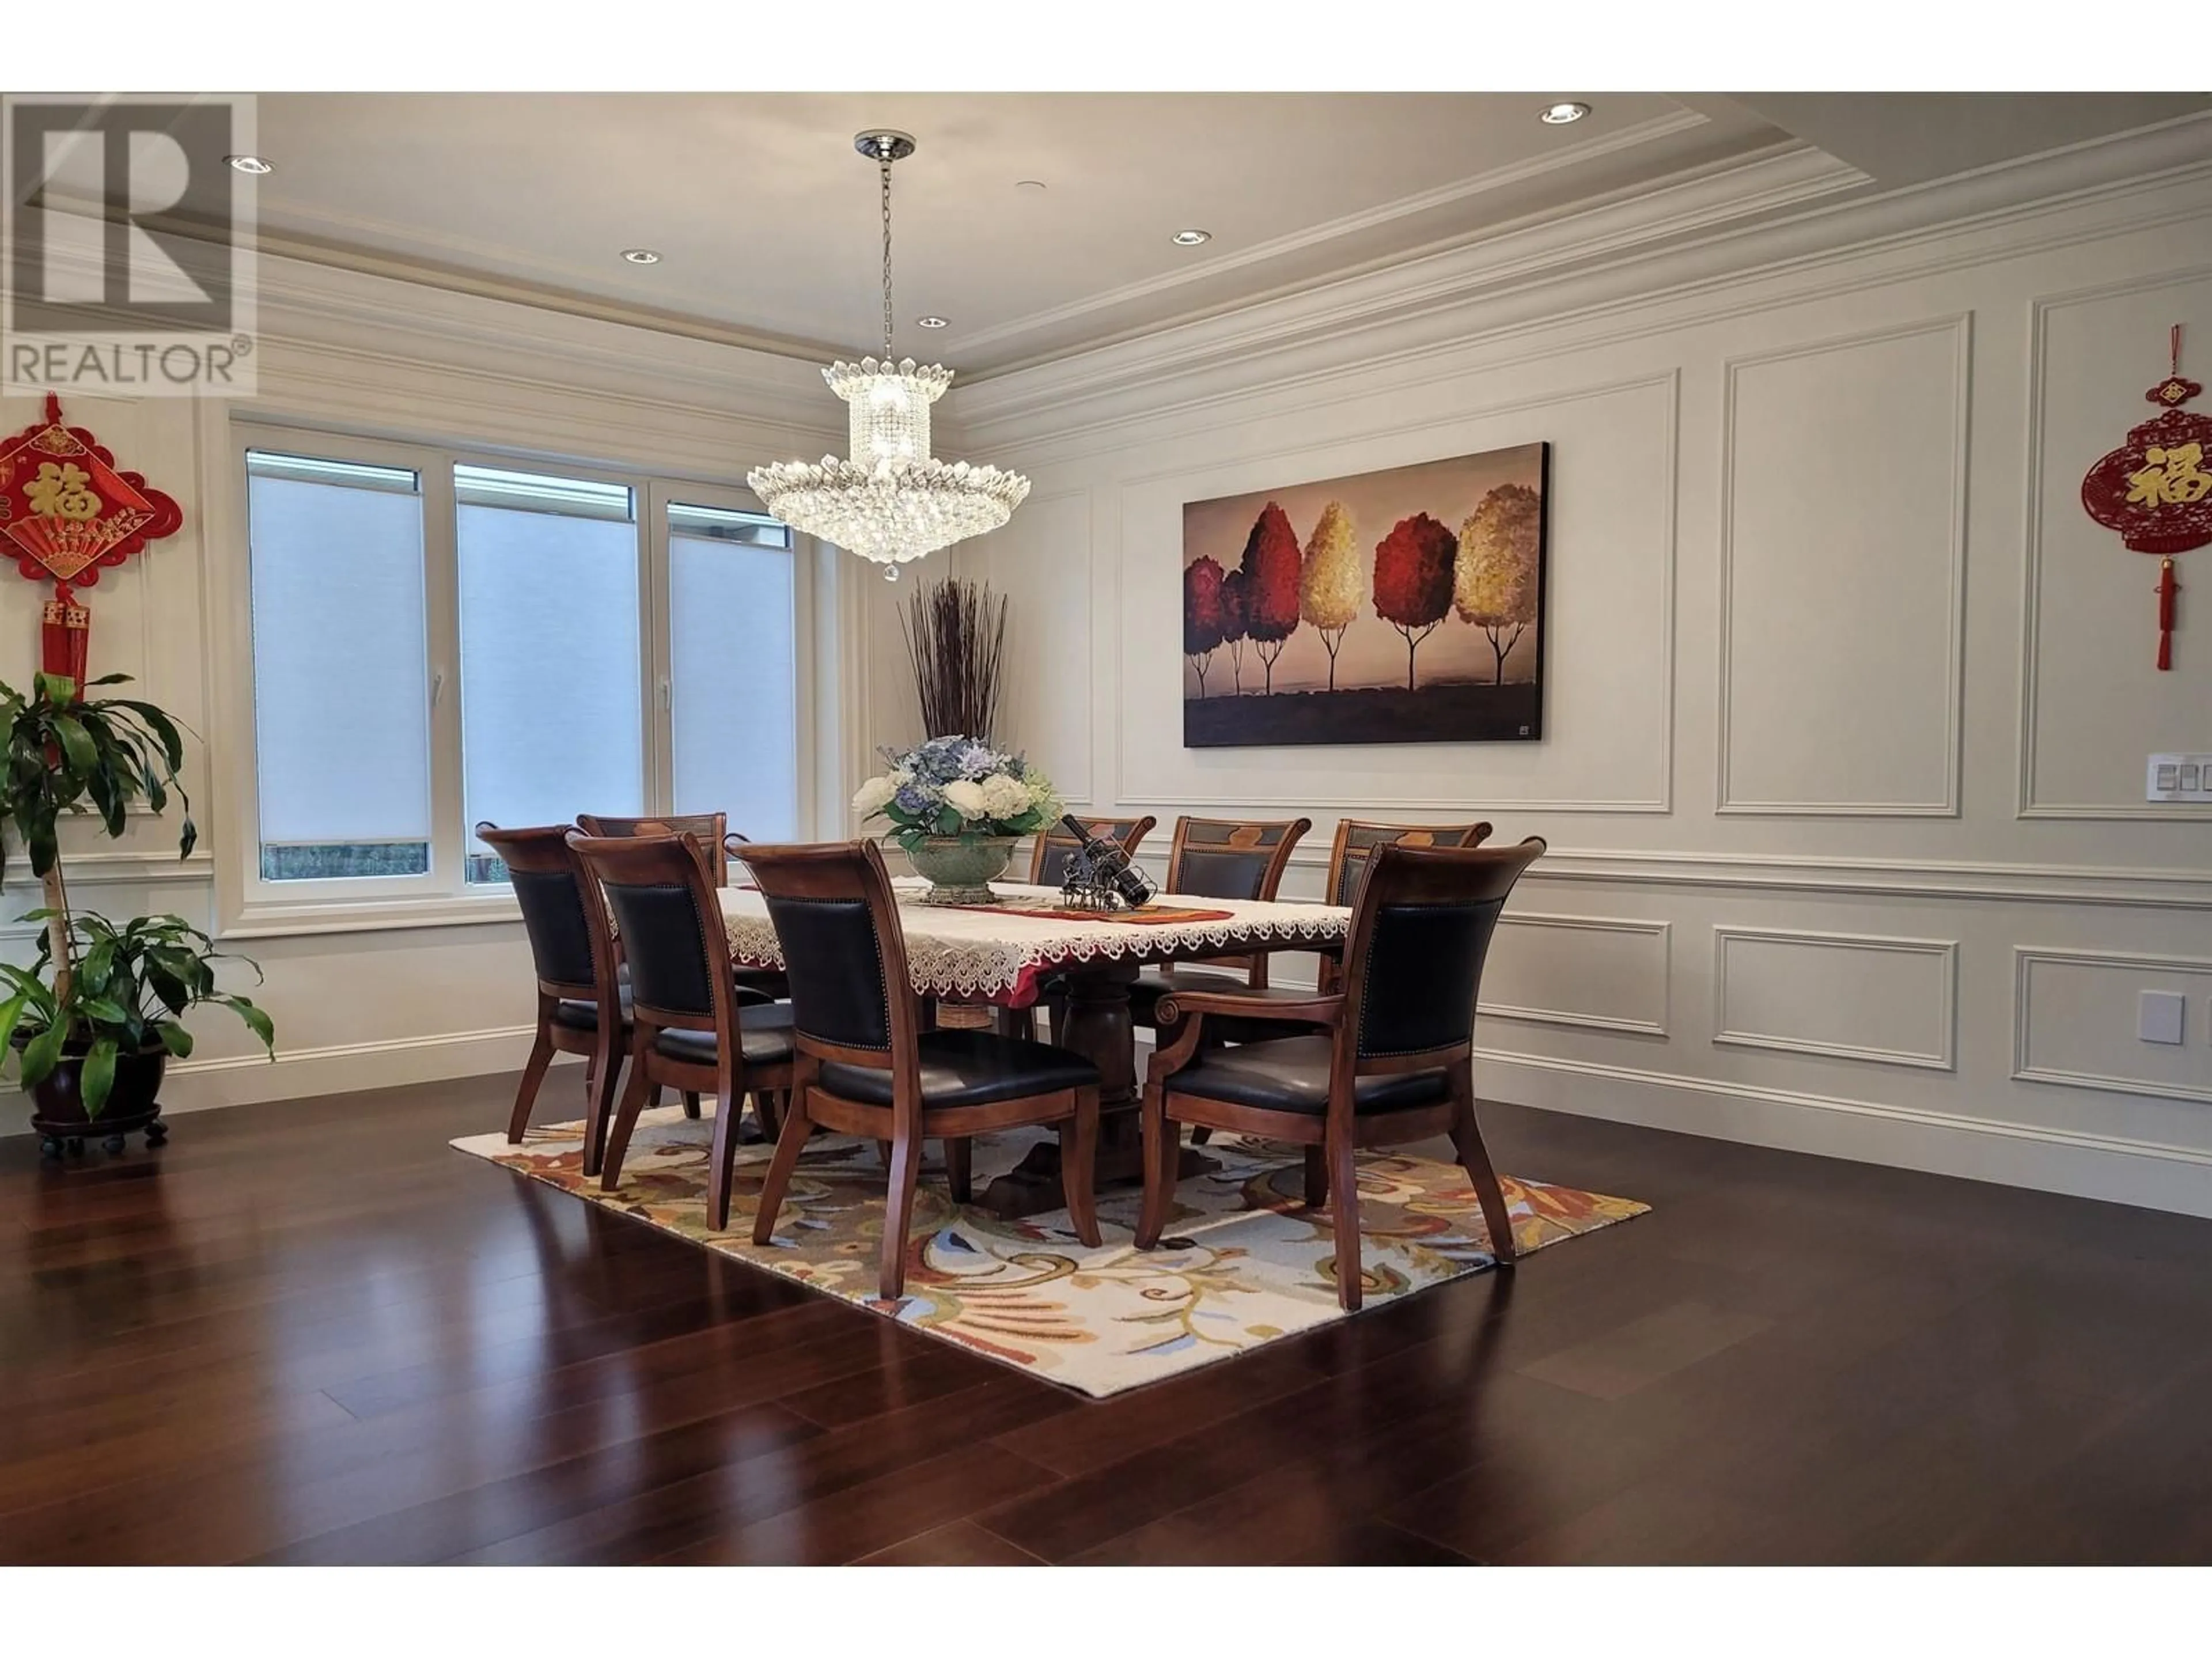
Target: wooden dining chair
column 1223, row 859
column 1054, row 847
column 689, row 1027
column 580, row 1007
column 706, row 829
column 1395, row 1063
column 865, row 1066
column 1350, row 854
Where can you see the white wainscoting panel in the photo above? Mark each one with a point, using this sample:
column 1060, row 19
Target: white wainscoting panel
column 2074, row 1022
column 2093, row 701
column 1041, row 561
column 1843, row 575
column 1850, row 996
column 1597, row 973
column 1608, row 656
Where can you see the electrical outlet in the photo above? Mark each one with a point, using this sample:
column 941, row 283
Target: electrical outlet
column 2179, row 777
column 2157, row 1016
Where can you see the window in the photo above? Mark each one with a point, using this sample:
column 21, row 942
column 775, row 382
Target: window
column 439, row 638
column 733, row 668
column 340, row 668
column 550, row 718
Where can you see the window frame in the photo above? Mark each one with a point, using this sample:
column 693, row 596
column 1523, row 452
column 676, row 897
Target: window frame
column 660, row 683
column 249, row 906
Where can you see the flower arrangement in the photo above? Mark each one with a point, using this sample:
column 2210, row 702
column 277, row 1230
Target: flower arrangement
column 958, row 787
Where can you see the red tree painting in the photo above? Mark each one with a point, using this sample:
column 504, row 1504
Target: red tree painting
column 1201, row 615
column 1270, row 568
column 1233, row 610
column 1357, row 634
column 1414, row 580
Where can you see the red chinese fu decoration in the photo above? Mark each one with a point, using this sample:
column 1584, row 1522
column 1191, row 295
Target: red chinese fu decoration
column 2156, row 489
column 66, row 512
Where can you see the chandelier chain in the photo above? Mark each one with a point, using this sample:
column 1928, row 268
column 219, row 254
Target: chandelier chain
column 887, row 258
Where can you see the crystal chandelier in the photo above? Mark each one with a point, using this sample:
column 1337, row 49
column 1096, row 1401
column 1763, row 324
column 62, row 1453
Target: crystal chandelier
column 893, row 500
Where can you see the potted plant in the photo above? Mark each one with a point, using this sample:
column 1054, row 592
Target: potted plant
column 957, row 807
column 96, row 1016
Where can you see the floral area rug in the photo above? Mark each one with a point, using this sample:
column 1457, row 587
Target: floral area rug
column 1243, row 1264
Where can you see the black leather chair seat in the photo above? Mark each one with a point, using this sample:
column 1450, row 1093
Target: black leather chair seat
column 968, row 1068
column 1291, row 1074
column 763, row 1036
column 585, row 1016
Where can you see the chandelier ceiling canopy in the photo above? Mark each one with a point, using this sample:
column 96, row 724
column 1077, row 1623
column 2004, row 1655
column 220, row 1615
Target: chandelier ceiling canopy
column 890, row 500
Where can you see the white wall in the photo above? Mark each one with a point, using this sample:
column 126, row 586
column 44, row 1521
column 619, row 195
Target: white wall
column 358, row 1007
column 1848, row 701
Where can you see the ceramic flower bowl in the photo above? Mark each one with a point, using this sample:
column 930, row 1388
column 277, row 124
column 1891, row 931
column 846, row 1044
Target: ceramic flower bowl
column 961, row 868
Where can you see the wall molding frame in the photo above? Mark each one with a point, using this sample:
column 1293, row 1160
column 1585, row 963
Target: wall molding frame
column 1661, row 930
column 1959, row 326
column 1659, row 804
column 2029, row 804
column 2025, row 958
column 1943, row 1058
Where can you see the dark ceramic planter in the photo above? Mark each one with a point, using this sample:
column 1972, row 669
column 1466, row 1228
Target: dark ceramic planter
column 58, row 1103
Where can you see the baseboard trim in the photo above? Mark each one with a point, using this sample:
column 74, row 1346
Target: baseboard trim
column 199, row 1085
column 2140, row 1172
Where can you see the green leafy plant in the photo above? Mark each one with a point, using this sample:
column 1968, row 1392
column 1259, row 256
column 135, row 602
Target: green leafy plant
column 97, row 989
column 69, row 754
column 131, row 985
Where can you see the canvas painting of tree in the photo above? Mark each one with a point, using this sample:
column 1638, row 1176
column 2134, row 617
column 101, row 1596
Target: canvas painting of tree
column 1402, row 606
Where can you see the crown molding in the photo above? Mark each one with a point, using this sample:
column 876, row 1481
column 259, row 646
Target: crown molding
column 1688, row 248
column 1263, row 254
column 1422, row 283
column 319, row 306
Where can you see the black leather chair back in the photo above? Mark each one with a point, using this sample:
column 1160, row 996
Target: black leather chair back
column 1421, row 931
column 544, row 878
column 1216, row 858
column 834, row 958
column 553, row 917
column 1356, row 843
column 663, row 939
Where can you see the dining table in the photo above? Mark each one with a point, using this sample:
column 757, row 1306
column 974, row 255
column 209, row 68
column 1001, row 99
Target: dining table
column 1003, row 955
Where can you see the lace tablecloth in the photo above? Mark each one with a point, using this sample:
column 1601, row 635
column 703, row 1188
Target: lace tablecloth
column 987, row 956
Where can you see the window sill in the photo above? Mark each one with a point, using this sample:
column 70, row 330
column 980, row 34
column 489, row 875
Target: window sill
column 277, row 920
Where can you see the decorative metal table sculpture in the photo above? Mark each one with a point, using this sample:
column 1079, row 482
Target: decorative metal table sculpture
column 1000, row 955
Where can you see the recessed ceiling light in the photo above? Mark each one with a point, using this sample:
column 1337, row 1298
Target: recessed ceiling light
column 253, row 164
column 930, row 322
column 1559, row 114
column 1029, row 183
column 640, row 256
column 1191, row 238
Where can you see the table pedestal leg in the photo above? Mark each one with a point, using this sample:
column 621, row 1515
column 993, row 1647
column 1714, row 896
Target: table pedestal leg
column 1098, row 1029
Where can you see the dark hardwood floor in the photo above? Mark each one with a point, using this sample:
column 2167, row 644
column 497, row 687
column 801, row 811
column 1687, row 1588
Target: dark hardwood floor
column 311, row 1332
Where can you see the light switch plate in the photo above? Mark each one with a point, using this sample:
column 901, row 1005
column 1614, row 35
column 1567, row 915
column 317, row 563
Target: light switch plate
column 2157, row 1016
column 2179, row 777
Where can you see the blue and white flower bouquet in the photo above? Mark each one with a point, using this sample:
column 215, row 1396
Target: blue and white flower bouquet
column 957, row 787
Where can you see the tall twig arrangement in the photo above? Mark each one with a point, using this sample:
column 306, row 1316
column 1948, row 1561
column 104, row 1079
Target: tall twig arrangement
column 956, row 637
